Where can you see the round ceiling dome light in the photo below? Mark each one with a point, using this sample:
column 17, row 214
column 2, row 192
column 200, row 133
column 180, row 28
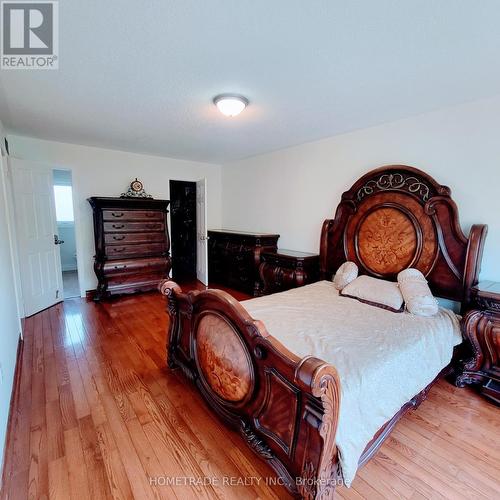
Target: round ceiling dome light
column 230, row 104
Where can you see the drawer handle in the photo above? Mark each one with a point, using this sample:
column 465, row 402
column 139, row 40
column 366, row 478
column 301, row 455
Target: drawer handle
column 151, row 226
column 121, row 267
column 118, row 250
column 118, row 226
column 118, row 238
column 117, row 214
column 150, row 214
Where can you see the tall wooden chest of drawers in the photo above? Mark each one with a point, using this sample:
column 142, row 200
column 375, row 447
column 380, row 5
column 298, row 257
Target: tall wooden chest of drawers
column 234, row 258
column 131, row 244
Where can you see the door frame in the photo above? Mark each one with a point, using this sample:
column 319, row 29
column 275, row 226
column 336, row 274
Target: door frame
column 169, row 221
column 6, row 173
column 76, row 223
column 78, row 242
column 171, row 227
column 205, row 213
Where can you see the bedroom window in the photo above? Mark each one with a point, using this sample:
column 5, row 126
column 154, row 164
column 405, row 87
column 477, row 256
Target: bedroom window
column 64, row 203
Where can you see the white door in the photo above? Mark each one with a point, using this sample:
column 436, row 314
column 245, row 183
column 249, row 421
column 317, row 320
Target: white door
column 39, row 257
column 201, row 231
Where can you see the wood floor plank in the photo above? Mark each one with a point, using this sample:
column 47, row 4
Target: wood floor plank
column 98, row 485
column 148, row 458
column 38, row 475
column 117, row 477
column 433, row 477
column 55, row 436
column 97, row 415
column 77, row 470
column 366, row 490
column 58, row 479
column 18, row 487
column 17, row 456
column 138, row 479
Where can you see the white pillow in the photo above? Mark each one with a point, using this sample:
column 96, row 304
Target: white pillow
column 376, row 292
column 346, row 273
column 416, row 292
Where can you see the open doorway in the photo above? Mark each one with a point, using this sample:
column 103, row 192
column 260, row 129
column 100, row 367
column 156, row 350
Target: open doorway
column 66, row 236
column 188, row 222
column 183, row 225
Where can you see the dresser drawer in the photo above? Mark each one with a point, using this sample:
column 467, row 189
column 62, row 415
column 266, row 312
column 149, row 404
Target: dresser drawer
column 131, row 215
column 134, row 282
column 119, row 251
column 133, row 227
column 128, row 266
column 121, row 239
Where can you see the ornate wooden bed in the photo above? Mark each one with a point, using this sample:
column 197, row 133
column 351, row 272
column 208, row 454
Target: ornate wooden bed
column 287, row 408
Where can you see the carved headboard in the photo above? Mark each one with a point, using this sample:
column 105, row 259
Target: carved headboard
column 396, row 217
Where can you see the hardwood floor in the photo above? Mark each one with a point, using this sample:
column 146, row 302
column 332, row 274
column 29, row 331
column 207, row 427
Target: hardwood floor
column 97, row 414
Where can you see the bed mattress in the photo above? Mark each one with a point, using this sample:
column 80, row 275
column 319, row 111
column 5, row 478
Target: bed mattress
column 383, row 358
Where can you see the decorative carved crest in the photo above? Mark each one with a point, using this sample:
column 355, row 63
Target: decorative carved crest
column 396, row 181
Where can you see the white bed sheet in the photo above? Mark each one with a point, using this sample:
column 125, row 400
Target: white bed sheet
column 383, row 358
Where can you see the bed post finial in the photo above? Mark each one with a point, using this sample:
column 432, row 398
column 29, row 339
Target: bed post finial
column 169, row 289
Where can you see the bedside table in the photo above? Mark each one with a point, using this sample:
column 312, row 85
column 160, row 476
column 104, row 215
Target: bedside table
column 482, row 329
column 285, row 269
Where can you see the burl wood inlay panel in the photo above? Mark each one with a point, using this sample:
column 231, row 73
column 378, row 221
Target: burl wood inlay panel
column 387, row 241
column 385, row 237
column 222, row 358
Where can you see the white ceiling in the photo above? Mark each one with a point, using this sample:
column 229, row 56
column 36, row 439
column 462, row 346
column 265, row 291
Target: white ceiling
column 140, row 76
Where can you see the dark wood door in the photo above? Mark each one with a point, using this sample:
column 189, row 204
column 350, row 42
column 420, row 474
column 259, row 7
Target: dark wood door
column 183, row 220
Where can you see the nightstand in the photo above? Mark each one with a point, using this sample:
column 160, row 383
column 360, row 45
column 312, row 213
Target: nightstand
column 285, row 269
column 482, row 329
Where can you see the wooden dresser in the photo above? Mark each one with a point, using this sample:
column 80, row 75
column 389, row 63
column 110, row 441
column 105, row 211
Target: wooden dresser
column 482, row 329
column 234, row 258
column 131, row 244
column 285, row 269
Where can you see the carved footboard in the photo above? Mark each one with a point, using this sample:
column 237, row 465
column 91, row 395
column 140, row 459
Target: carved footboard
column 286, row 408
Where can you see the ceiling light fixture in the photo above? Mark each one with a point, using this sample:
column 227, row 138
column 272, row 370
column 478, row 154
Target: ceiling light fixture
column 230, row 104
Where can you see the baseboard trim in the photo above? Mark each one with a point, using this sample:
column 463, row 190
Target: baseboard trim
column 15, row 393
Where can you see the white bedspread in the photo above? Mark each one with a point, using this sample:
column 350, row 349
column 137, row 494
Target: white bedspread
column 383, row 358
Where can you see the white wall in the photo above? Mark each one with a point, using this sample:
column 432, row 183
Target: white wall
column 10, row 324
column 293, row 190
column 104, row 172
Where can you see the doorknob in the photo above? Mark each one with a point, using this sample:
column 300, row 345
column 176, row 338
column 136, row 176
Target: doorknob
column 57, row 241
